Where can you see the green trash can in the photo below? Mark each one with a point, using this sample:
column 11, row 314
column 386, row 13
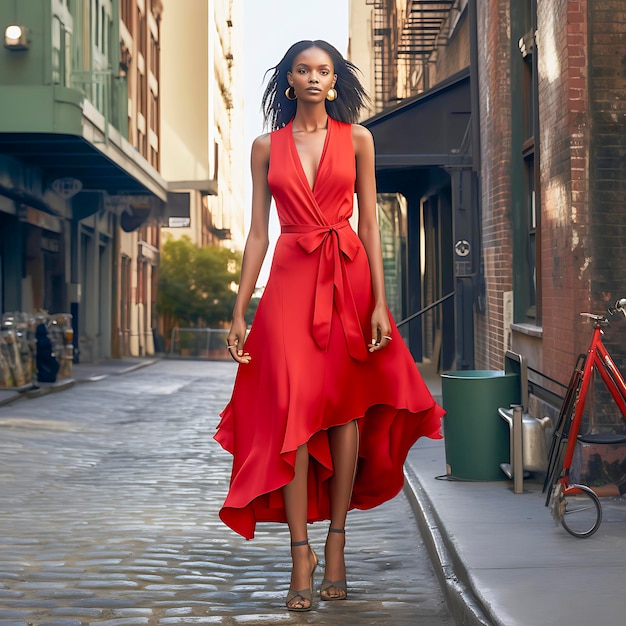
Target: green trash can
column 476, row 438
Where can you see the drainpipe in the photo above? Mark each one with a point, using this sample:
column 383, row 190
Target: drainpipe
column 474, row 92
column 479, row 280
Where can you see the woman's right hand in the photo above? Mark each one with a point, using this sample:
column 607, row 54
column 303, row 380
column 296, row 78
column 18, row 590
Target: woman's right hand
column 235, row 340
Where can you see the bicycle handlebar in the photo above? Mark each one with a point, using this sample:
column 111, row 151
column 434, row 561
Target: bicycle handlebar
column 620, row 306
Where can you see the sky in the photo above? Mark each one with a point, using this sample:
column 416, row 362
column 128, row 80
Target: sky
column 270, row 27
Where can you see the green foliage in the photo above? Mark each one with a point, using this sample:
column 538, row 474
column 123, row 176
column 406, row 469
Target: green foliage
column 195, row 284
column 251, row 310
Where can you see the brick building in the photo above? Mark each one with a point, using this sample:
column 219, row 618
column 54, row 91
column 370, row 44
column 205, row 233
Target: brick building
column 544, row 142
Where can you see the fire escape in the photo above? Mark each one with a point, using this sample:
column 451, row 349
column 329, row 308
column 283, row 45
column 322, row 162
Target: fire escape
column 405, row 46
column 384, row 40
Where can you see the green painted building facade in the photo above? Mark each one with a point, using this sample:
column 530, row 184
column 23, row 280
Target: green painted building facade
column 69, row 178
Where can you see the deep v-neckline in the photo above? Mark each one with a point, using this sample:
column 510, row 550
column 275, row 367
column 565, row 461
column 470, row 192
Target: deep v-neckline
column 298, row 160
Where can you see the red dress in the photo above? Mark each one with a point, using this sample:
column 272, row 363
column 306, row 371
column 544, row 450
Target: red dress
column 310, row 367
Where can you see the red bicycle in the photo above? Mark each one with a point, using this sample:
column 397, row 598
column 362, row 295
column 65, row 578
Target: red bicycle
column 577, row 507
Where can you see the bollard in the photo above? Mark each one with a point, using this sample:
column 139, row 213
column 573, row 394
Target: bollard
column 517, row 460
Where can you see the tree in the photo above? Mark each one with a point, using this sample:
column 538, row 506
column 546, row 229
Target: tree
column 196, row 285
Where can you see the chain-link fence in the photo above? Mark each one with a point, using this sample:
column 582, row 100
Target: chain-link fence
column 199, row 343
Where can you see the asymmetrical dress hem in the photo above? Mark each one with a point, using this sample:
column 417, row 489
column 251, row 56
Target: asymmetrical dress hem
column 310, row 369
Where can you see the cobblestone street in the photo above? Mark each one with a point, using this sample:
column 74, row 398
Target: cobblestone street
column 110, row 492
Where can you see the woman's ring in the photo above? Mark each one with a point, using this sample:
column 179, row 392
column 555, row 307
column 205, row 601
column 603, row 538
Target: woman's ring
column 230, row 347
column 387, row 337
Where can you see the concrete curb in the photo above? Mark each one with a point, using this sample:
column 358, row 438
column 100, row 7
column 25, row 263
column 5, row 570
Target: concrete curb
column 7, row 397
column 137, row 366
column 38, row 392
column 126, row 370
column 32, row 391
column 462, row 602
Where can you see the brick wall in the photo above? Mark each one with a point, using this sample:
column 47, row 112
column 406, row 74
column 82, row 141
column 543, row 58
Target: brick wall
column 564, row 141
column 607, row 83
column 455, row 56
column 583, row 182
column 583, row 174
column 495, row 106
column 607, row 194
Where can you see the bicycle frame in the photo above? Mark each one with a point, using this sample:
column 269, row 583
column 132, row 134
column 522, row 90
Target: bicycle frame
column 600, row 360
column 577, row 507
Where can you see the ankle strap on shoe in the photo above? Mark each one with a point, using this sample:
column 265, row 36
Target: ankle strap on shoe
column 337, row 530
column 295, row 544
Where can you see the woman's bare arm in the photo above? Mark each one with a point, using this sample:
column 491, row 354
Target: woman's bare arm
column 369, row 232
column 256, row 244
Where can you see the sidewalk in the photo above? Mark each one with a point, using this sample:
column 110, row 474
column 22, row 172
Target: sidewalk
column 81, row 372
column 500, row 557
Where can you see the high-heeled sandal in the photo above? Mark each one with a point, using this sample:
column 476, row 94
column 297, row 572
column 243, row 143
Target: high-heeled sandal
column 304, row 594
column 339, row 585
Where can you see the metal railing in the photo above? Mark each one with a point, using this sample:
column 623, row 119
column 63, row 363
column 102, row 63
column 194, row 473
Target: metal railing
column 210, row 343
column 425, row 309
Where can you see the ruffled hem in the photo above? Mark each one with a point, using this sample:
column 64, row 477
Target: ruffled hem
column 386, row 436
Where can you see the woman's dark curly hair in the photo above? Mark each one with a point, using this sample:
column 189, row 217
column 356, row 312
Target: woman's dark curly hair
column 278, row 110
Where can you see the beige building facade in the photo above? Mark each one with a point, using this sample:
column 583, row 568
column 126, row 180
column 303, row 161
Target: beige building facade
column 202, row 121
column 138, row 241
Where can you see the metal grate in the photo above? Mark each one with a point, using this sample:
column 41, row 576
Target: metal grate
column 422, row 27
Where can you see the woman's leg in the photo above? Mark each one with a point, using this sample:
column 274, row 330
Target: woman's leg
column 295, row 498
column 344, row 448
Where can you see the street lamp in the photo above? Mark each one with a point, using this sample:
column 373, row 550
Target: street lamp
column 15, row 37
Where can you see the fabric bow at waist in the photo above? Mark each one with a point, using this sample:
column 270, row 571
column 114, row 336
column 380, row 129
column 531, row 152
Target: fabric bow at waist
column 332, row 287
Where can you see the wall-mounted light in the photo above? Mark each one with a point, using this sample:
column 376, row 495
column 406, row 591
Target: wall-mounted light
column 15, row 37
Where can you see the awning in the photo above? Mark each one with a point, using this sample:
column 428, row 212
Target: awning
column 430, row 129
column 23, row 198
column 62, row 156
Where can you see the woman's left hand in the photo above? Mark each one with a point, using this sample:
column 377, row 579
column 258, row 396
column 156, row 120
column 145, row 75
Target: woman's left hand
column 381, row 329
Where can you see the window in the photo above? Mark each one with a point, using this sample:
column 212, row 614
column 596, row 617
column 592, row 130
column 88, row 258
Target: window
column 154, row 56
column 142, row 143
column 154, row 112
column 104, row 31
column 57, row 49
column 96, row 26
column 142, row 86
column 126, row 12
column 532, row 235
column 528, row 289
column 142, row 27
column 125, row 305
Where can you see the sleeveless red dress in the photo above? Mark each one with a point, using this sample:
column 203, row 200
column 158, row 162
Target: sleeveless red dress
column 310, row 367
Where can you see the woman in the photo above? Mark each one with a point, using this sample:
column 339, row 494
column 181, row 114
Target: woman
column 327, row 399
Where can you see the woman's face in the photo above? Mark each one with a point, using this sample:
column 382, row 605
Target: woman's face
column 312, row 75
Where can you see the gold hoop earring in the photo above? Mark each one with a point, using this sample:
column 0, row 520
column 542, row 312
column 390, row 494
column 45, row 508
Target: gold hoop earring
column 331, row 95
column 290, row 93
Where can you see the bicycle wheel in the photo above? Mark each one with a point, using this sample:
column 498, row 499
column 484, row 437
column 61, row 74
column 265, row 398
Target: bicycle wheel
column 561, row 430
column 582, row 513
